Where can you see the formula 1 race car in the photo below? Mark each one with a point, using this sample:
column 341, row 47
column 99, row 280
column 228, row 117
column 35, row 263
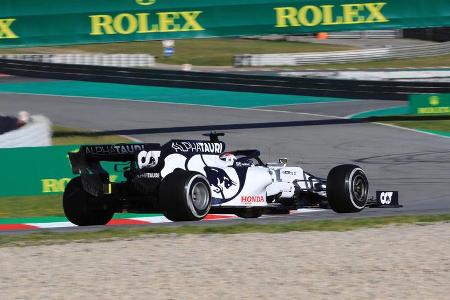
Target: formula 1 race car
column 187, row 179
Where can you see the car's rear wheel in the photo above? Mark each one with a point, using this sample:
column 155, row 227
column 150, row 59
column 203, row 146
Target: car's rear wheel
column 83, row 209
column 185, row 196
column 347, row 189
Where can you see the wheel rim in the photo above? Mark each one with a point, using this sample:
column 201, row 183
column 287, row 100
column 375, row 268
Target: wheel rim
column 359, row 188
column 200, row 196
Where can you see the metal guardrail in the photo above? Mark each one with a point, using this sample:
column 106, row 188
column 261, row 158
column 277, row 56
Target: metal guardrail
column 298, row 59
column 349, row 89
column 112, row 60
column 37, row 133
column 366, row 34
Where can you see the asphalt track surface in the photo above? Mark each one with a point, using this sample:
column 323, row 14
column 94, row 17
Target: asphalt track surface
column 313, row 135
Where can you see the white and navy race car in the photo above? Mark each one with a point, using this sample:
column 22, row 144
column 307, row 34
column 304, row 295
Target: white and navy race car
column 187, row 179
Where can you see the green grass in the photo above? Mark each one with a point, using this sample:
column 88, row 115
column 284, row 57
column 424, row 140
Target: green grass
column 69, row 136
column 31, row 206
column 201, row 52
column 220, row 52
column 113, row 234
column 438, row 125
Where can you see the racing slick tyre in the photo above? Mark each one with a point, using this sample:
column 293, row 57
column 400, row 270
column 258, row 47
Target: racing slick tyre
column 83, row 209
column 249, row 213
column 185, row 196
column 347, row 189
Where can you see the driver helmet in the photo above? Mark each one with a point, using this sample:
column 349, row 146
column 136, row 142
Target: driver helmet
column 229, row 158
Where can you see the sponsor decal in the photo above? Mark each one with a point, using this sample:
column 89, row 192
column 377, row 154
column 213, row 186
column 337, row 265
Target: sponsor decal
column 6, row 31
column 200, row 147
column 329, row 15
column 289, row 173
column 252, row 199
column 149, row 175
column 58, row 185
column 148, row 159
column 114, row 149
column 387, row 197
column 142, row 23
column 243, row 164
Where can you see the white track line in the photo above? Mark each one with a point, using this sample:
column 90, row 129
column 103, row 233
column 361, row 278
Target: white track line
column 370, row 110
column 176, row 103
column 295, row 113
column 307, row 103
column 413, row 130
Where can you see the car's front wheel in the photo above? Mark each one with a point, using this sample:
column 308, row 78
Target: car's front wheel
column 249, row 212
column 347, row 189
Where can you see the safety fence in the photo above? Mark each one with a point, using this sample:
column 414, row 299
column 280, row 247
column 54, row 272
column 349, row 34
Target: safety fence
column 37, row 132
column 366, row 34
column 353, row 89
column 112, row 60
column 439, row 34
column 298, row 59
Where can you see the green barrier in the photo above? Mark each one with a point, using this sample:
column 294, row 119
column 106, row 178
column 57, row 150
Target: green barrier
column 429, row 104
column 38, row 171
column 49, row 22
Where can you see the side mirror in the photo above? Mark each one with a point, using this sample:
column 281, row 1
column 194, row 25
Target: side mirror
column 283, row 161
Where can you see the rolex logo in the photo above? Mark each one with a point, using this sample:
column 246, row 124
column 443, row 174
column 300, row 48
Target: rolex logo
column 145, row 2
column 434, row 100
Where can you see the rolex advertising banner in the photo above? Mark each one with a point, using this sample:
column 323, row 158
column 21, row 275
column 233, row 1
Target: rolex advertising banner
column 39, row 170
column 58, row 22
column 434, row 104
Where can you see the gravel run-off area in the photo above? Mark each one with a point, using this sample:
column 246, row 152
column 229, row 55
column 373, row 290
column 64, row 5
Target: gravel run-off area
column 395, row 262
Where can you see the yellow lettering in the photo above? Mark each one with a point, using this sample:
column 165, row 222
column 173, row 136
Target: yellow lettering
column 101, row 24
column 167, row 21
column 316, row 15
column 143, row 24
column 351, row 13
column 54, row 185
column 375, row 12
column 328, row 16
column 5, row 29
column 127, row 23
column 311, row 15
column 62, row 184
column 433, row 110
column 131, row 23
column 49, row 185
column 191, row 21
column 286, row 16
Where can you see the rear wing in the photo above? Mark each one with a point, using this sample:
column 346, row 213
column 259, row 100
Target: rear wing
column 87, row 159
column 87, row 163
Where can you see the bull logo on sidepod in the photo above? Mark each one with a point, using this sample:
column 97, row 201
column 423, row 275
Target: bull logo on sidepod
column 219, row 180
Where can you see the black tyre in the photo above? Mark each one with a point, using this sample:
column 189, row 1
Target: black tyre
column 185, row 196
column 250, row 213
column 83, row 209
column 347, row 189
